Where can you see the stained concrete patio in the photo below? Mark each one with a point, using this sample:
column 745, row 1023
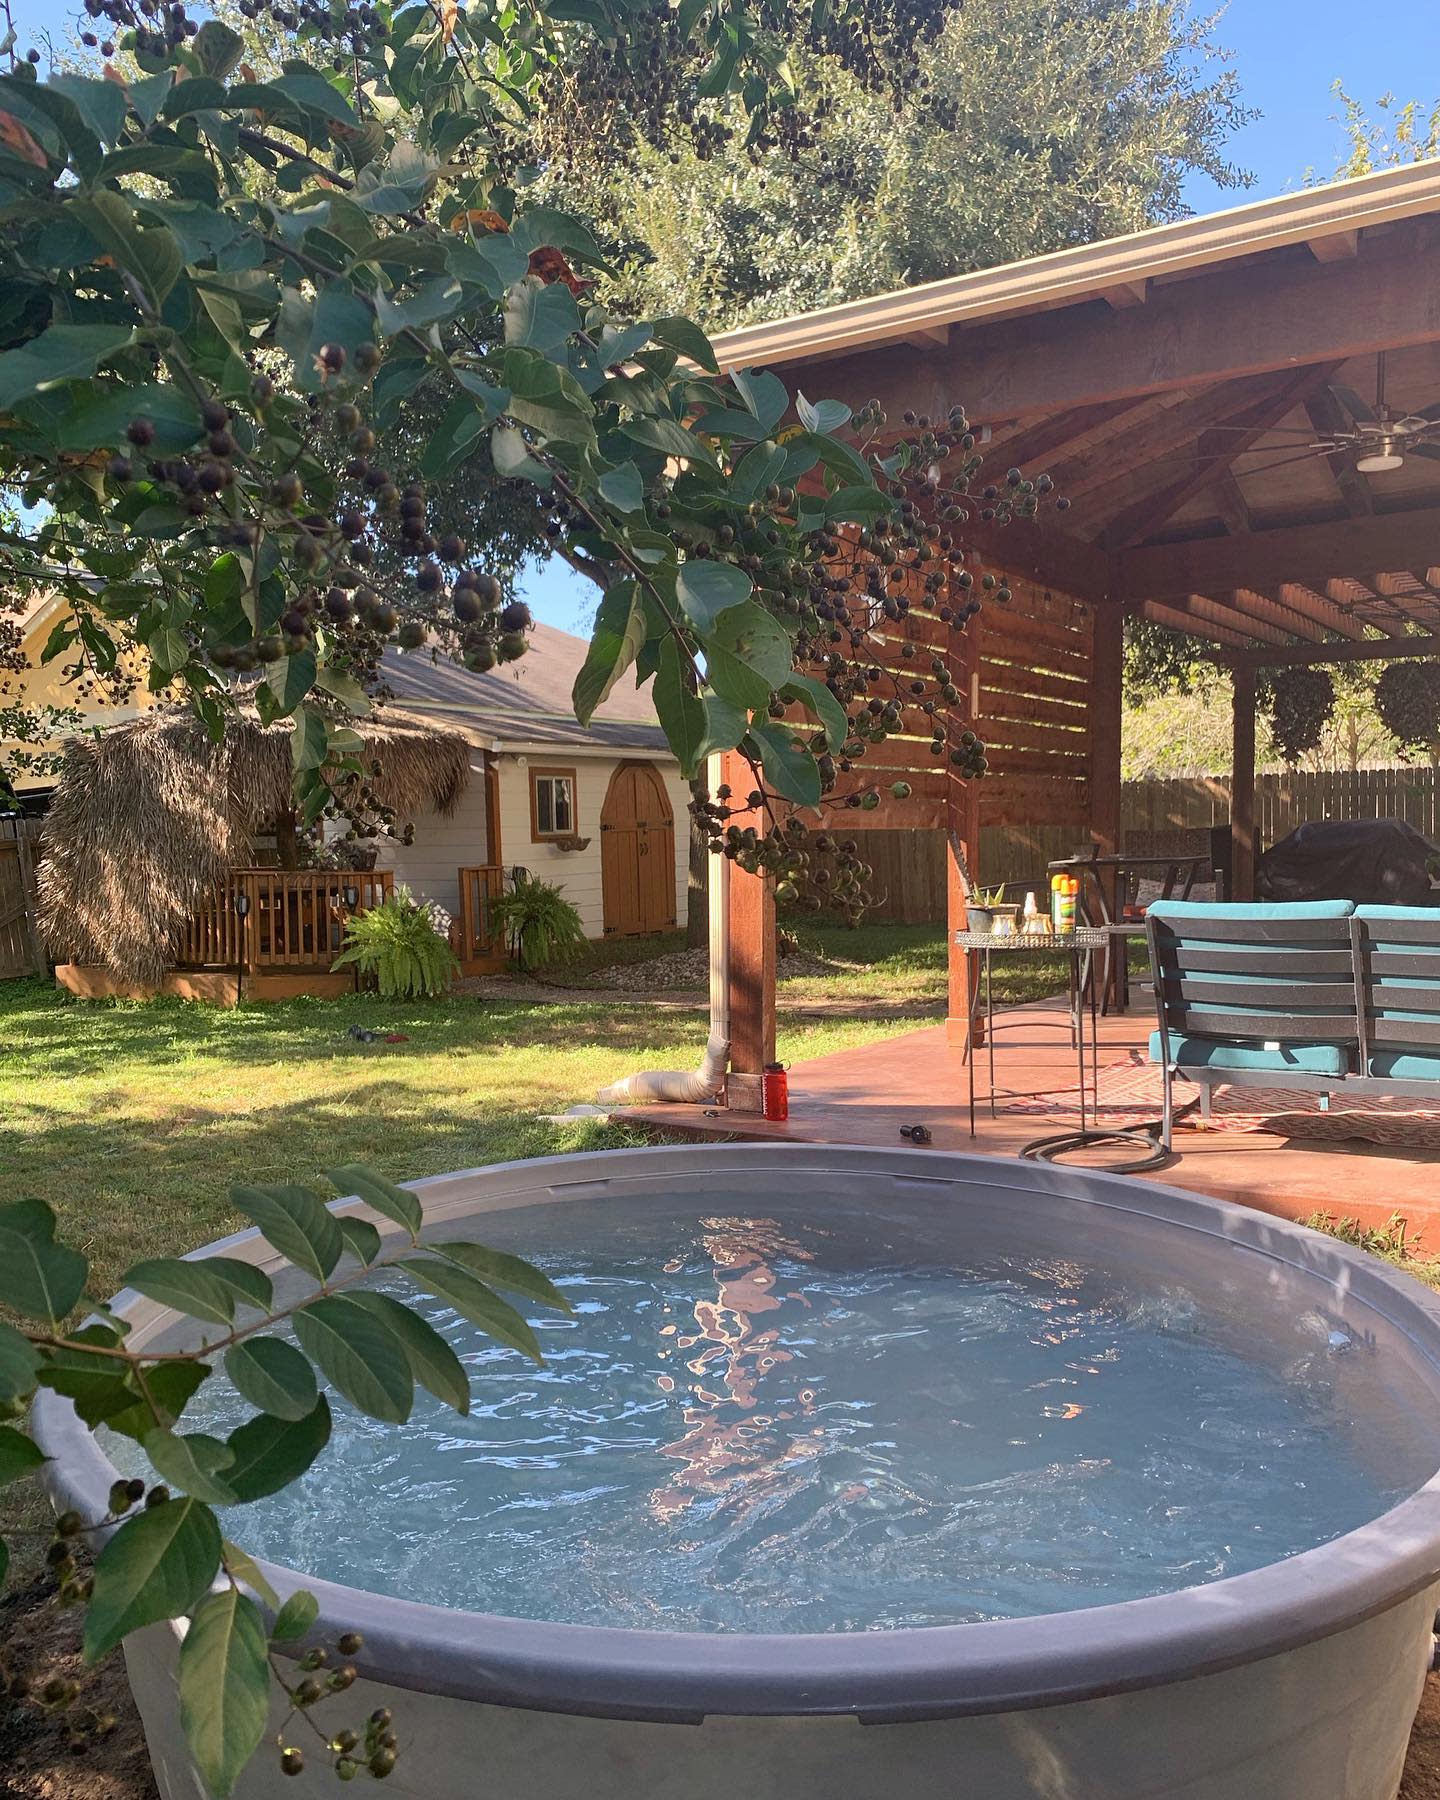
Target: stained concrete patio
column 865, row 1095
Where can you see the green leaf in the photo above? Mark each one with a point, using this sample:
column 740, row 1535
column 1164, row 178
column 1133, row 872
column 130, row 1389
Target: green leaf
column 619, row 631
column 273, row 1376
column 217, row 48
column 170, row 1386
column 734, row 680
column 345, row 688
column 194, row 1464
column 271, row 1452
column 19, row 1455
column 821, row 415
column 101, row 104
column 249, row 1286
column 38, row 1277
column 511, row 456
column 19, row 1364
column 707, row 589
column 764, row 395
column 539, row 316
column 433, row 1364
column 98, row 418
column 816, row 698
column 358, row 1355
column 295, row 1618
column 789, row 768
column 309, row 88
column 757, row 638
column 387, row 1198
column 295, row 1222
column 756, row 470
column 156, row 1566
column 500, row 1269
column 473, row 1301
column 244, row 1568
column 188, row 1287
column 337, row 316
column 438, row 299
column 689, row 340
column 224, row 1675
column 666, row 435
column 290, row 679
column 59, row 353
column 623, row 488
column 857, row 505
column 682, row 717
column 362, row 1240
column 309, row 740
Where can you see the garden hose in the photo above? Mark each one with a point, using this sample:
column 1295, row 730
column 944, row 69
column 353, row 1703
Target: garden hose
column 1145, row 1136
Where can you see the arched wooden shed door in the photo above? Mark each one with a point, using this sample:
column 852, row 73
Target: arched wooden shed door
column 637, row 853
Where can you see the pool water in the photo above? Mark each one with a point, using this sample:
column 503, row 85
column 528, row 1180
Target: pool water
column 797, row 1416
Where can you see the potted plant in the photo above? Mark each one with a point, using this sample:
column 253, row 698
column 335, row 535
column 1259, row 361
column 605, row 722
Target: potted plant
column 982, row 907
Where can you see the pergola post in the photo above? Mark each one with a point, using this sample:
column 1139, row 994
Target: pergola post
column 1103, row 789
column 962, row 850
column 1242, row 781
column 752, row 966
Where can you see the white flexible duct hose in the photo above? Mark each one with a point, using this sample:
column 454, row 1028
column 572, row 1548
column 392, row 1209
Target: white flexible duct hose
column 706, row 1082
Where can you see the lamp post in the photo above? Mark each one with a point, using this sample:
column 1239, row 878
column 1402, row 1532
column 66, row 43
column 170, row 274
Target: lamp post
column 242, row 912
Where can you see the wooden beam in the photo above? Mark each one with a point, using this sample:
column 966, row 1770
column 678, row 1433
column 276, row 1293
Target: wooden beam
column 1215, row 451
column 1328, row 416
column 1165, row 425
column 1339, row 246
column 1175, row 618
column 1314, row 606
column 1231, row 504
column 1242, row 784
column 1037, row 551
column 1311, row 554
column 1106, row 706
column 1059, row 438
column 1251, row 605
column 1238, row 319
column 926, row 337
column 1372, row 650
column 1126, row 294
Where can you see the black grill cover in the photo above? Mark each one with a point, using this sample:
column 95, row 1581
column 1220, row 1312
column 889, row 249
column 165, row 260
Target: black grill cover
column 1374, row 862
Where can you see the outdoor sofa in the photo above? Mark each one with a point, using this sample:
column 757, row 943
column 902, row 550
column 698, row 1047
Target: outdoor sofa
column 1315, row 995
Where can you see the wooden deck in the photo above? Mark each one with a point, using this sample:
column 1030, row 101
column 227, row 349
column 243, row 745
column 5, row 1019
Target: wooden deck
column 864, row 1096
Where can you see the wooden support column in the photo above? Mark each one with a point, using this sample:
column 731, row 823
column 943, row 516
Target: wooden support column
column 752, row 966
column 1103, row 798
column 962, row 847
column 1242, row 783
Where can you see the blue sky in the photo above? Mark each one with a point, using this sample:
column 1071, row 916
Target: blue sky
column 1287, row 53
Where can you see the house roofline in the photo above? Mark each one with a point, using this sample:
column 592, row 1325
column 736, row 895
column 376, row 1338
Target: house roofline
column 1315, row 216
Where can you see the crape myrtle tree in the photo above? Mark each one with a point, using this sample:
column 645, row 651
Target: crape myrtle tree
column 221, row 290
column 224, row 290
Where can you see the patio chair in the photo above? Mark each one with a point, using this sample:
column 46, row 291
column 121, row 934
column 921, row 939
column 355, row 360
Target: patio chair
column 1258, row 995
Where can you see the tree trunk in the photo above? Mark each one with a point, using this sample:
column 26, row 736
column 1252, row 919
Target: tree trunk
column 287, row 843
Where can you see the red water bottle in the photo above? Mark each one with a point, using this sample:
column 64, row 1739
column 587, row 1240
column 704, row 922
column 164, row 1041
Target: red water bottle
column 775, row 1089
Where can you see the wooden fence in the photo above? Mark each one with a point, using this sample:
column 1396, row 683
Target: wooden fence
column 295, row 918
column 21, row 952
column 910, row 865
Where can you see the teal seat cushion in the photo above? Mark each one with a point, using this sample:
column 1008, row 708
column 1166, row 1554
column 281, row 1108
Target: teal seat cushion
column 1214, row 1053
column 1381, row 915
column 1406, row 1065
column 1181, row 913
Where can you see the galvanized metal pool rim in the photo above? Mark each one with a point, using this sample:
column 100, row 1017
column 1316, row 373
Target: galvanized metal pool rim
column 883, row 1676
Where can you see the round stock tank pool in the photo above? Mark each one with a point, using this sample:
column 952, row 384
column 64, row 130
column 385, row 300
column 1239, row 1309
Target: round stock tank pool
column 858, row 1472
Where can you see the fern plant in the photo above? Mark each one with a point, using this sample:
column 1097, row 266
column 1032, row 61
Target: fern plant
column 397, row 943
column 539, row 923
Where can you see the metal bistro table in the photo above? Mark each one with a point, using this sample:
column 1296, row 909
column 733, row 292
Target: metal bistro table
column 1080, row 946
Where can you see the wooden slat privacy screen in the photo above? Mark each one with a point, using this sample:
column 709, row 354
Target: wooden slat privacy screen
column 1035, row 664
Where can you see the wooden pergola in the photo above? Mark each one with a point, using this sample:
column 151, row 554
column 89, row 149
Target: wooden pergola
column 1173, row 383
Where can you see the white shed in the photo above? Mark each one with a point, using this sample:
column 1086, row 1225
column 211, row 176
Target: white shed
column 598, row 810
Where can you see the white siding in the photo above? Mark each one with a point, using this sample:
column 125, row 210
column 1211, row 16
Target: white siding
column 442, row 846
column 577, row 872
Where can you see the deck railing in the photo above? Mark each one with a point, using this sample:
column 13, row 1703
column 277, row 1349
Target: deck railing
column 478, row 938
column 296, row 918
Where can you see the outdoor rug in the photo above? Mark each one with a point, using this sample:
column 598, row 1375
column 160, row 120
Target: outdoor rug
column 1130, row 1093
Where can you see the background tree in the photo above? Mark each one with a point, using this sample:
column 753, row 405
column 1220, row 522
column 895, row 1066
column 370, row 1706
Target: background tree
column 1029, row 126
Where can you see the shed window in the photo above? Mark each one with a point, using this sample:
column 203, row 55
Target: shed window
column 552, row 802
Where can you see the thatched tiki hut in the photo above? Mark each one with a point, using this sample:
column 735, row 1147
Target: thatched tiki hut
column 151, row 839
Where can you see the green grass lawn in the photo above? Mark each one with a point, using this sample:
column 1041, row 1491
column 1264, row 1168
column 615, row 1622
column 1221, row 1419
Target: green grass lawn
column 133, row 1120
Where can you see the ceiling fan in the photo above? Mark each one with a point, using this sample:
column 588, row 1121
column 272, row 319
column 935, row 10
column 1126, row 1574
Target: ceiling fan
column 1383, row 436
